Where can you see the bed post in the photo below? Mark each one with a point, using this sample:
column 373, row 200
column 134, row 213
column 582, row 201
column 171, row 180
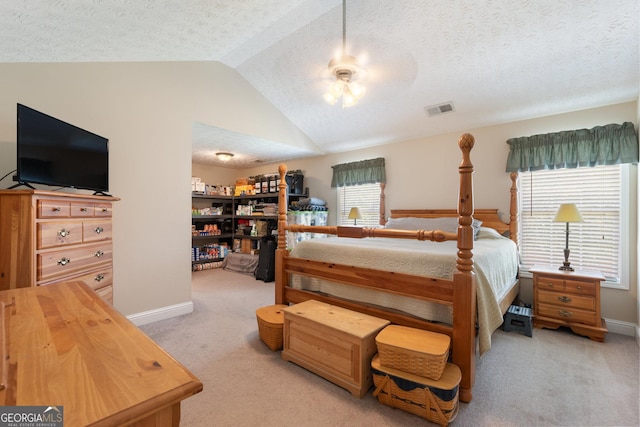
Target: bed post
column 464, row 290
column 383, row 208
column 513, row 208
column 280, row 276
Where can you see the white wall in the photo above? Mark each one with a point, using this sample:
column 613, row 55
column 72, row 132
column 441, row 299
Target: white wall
column 147, row 111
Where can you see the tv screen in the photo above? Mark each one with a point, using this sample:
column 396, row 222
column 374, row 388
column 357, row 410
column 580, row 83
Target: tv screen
column 56, row 153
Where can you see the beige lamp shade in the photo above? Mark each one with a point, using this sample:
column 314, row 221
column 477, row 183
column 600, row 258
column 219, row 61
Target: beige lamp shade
column 568, row 212
column 354, row 213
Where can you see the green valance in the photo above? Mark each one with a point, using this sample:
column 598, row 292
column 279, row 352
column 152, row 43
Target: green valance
column 602, row 145
column 358, row 173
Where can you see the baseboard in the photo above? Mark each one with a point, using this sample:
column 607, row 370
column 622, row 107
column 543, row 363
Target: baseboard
column 161, row 313
column 622, row 328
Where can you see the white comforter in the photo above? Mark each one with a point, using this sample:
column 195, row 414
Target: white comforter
column 495, row 264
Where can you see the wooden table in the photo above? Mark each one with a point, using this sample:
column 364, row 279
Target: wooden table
column 64, row 346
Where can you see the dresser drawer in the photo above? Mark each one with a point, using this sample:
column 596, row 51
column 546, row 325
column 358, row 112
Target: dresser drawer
column 51, row 234
column 102, row 210
column 567, row 314
column 567, row 300
column 96, row 231
column 98, row 279
column 53, row 209
column 65, row 262
column 82, row 209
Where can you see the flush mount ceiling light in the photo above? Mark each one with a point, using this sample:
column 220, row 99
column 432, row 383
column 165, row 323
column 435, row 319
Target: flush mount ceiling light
column 346, row 71
column 225, row 157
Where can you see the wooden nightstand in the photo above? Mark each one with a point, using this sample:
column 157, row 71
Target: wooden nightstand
column 568, row 298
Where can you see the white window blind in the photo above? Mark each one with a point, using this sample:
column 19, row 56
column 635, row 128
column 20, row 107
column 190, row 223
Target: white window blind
column 366, row 197
column 594, row 243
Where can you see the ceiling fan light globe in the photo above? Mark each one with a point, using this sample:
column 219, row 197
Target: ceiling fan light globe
column 337, row 88
column 330, row 98
column 357, row 90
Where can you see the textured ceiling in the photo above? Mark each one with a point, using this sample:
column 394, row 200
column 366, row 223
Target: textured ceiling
column 497, row 61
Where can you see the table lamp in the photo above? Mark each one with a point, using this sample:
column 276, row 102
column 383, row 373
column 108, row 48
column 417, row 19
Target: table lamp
column 354, row 214
column 567, row 212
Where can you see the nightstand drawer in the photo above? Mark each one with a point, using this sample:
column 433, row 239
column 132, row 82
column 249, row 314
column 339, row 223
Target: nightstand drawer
column 567, row 314
column 580, row 288
column 550, row 283
column 567, row 300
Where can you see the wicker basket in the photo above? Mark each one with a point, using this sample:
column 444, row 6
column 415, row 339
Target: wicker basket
column 270, row 321
column 437, row 401
column 414, row 351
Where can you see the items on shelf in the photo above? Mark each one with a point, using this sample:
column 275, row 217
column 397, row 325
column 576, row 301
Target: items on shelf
column 210, row 251
column 309, row 204
column 207, row 265
column 208, row 230
column 207, row 211
column 201, row 188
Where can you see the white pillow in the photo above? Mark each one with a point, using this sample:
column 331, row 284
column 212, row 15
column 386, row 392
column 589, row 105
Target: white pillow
column 489, row 233
column 446, row 224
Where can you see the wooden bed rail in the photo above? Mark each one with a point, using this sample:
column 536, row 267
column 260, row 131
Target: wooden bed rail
column 362, row 232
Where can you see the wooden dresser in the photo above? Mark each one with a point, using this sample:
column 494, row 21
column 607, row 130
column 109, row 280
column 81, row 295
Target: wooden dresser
column 64, row 346
column 47, row 237
column 568, row 298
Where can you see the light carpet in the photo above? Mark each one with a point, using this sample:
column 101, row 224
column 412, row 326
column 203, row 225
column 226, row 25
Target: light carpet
column 555, row 378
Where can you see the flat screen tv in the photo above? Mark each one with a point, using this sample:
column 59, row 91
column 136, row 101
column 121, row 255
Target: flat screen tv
column 53, row 152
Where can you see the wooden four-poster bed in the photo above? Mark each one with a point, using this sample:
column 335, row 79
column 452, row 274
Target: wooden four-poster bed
column 457, row 293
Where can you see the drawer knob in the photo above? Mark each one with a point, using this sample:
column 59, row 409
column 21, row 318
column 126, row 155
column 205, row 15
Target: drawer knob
column 579, row 287
column 565, row 313
column 64, row 261
column 549, row 284
column 83, row 209
column 63, row 233
column 55, row 209
column 98, row 230
column 99, row 278
column 564, row 298
column 98, row 254
column 105, row 209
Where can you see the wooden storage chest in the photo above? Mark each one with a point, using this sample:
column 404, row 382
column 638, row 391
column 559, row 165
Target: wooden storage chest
column 333, row 342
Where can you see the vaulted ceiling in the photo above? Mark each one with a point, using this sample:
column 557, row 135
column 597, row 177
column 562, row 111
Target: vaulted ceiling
column 495, row 61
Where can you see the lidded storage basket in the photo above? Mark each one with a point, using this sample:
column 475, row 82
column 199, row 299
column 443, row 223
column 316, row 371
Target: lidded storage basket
column 414, row 351
column 437, row 401
column 270, row 322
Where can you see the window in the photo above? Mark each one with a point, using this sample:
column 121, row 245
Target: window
column 599, row 242
column 366, row 197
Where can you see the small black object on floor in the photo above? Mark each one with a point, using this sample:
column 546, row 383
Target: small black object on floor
column 267, row 259
column 518, row 319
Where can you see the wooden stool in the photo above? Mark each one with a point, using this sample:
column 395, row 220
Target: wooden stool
column 270, row 321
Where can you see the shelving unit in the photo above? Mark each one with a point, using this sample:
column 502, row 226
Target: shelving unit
column 212, row 229
column 228, row 218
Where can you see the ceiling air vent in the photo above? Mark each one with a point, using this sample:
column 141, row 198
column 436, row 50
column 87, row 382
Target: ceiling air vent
column 436, row 110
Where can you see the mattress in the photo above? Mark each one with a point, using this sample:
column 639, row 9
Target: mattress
column 495, row 264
